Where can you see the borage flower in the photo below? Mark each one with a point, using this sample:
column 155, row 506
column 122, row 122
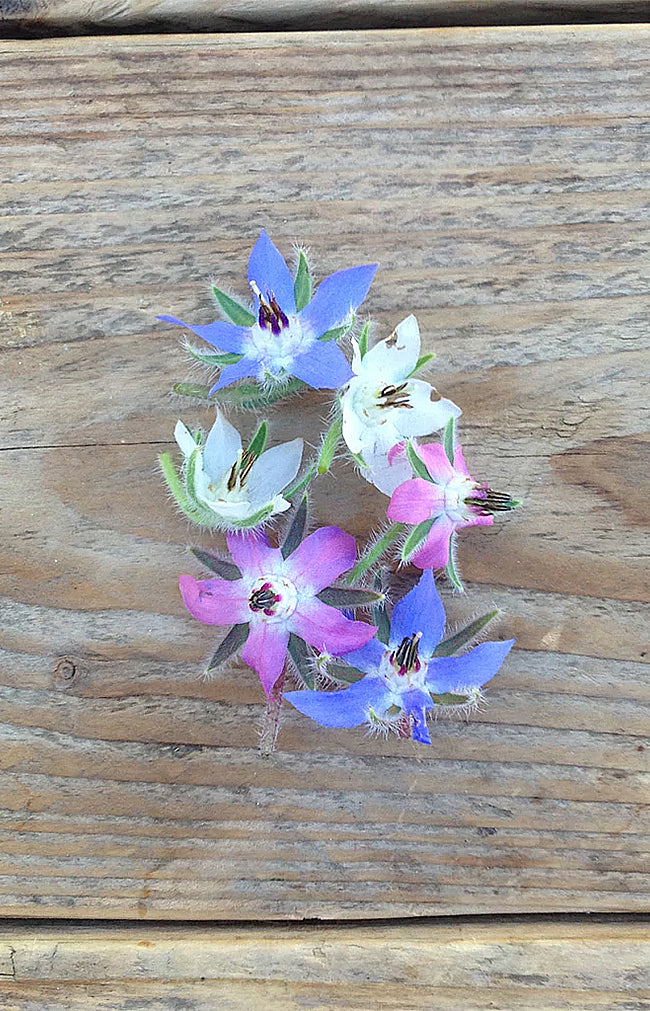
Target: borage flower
column 404, row 679
column 383, row 405
column 444, row 498
column 277, row 597
column 282, row 338
column 236, row 487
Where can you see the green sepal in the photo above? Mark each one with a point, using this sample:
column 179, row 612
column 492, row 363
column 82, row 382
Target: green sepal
column 258, row 442
column 347, row 674
column 217, row 360
column 235, row 312
column 252, row 396
column 454, row 642
column 227, row 570
column 422, row 361
column 199, row 392
column 343, row 597
column 300, row 483
column 191, row 509
column 363, row 340
column 302, row 284
column 416, row 537
column 300, row 655
column 296, row 530
column 449, row 440
column 190, row 476
column 236, row 637
column 358, row 459
column 416, row 462
column 330, row 443
column 380, row 615
column 254, row 520
column 452, row 574
column 337, row 332
column 449, row 699
column 373, row 554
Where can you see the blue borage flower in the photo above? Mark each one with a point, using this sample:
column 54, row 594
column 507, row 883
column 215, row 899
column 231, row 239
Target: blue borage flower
column 404, row 677
column 282, row 339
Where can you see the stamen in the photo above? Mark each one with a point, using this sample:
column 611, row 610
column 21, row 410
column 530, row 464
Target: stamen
column 270, row 315
column 405, row 657
column 264, row 599
column 491, row 502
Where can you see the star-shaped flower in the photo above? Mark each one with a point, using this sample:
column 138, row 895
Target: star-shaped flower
column 383, row 404
column 277, row 596
column 404, row 678
column 282, row 338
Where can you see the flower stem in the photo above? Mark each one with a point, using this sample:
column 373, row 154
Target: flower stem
column 374, row 553
column 330, row 443
column 271, row 723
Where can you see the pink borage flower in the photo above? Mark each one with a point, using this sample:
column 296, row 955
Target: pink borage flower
column 446, row 498
column 277, row 597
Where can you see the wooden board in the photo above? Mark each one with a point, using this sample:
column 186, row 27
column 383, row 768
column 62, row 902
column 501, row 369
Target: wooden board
column 473, row 966
column 78, row 17
column 502, row 178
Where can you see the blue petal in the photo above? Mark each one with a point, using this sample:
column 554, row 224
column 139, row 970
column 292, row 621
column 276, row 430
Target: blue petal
column 324, row 366
column 368, row 658
column 225, row 336
column 347, row 708
column 266, row 267
column 337, row 296
column 416, row 703
column 420, row 610
column 471, row 670
column 231, row 373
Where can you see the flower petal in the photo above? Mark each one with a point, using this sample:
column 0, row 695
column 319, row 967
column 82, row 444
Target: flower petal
column 425, row 415
column 436, row 462
column 471, row 670
column 420, row 610
column 434, row 553
column 415, row 501
column 265, row 651
column 221, row 448
column 387, row 472
column 416, row 703
column 368, row 658
column 225, row 336
column 273, row 471
column 215, row 601
column 347, row 708
column 253, row 554
column 459, row 462
column 337, row 296
column 327, row 629
column 231, row 373
column 267, row 269
column 321, row 558
column 324, row 366
column 185, row 439
column 393, row 359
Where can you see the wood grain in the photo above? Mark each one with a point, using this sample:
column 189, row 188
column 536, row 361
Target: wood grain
column 502, row 178
column 47, row 17
column 520, row 966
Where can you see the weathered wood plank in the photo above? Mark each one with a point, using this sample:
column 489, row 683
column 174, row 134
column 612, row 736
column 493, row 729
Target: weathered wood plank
column 44, row 17
column 502, row 179
column 519, row 966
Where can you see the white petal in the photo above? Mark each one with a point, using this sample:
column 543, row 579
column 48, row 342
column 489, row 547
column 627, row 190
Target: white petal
column 273, row 472
column 357, row 364
column 221, row 448
column 426, row 415
column 387, row 476
column 353, row 424
column 393, row 359
column 185, row 439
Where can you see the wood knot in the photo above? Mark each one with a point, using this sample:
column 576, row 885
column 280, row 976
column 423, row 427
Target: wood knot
column 65, row 671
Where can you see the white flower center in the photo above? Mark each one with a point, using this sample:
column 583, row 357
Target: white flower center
column 403, row 668
column 273, row 598
column 278, row 351
column 455, row 492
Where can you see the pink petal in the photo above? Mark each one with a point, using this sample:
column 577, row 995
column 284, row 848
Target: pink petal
column 253, row 553
column 436, row 462
column 321, row 558
column 327, row 629
column 398, row 450
column 434, row 554
column 215, row 601
column 476, row 521
column 459, row 462
column 265, row 650
column 415, row 501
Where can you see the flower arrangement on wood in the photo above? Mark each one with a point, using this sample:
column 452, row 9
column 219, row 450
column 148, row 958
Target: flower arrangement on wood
column 284, row 606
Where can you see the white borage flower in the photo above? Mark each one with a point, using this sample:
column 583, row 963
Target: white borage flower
column 232, row 486
column 384, row 404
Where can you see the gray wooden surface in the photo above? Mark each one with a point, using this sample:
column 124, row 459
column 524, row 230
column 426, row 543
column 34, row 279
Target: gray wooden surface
column 502, row 179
